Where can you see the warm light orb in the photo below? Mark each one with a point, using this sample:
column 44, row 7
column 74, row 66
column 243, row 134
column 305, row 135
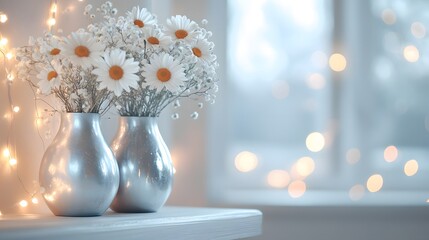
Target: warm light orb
column 374, row 183
column 34, row 200
column 54, row 8
column 23, row 203
column 3, row 18
column 16, row 109
column 337, row 62
column 418, row 30
column 316, row 81
column 297, row 188
column 52, row 21
column 411, row 167
column 353, row 156
column 388, row 16
column 315, row 142
column 246, row 161
column 390, row 154
column 3, row 41
column 6, row 153
column 305, row 166
column 356, row 192
column 278, row 178
column 411, row 53
column 9, row 55
column 13, row 162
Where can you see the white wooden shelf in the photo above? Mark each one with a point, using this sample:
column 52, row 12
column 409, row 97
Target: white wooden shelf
column 168, row 223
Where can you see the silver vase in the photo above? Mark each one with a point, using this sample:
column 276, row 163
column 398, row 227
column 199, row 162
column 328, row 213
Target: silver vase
column 78, row 172
column 145, row 166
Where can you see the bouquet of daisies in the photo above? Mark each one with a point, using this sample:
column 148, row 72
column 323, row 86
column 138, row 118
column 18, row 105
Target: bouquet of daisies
column 129, row 61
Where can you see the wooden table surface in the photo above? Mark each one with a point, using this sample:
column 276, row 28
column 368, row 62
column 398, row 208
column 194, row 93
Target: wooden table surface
column 169, row 223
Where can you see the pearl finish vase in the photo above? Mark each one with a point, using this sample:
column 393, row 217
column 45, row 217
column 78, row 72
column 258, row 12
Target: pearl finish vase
column 79, row 174
column 146, row 170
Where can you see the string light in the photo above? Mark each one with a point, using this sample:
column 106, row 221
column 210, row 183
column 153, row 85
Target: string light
column 13, row 162
column 3, row 42
column 3, row 18
column 23, row 203
column 16, row 109
column 9, row 56
column 34, row 200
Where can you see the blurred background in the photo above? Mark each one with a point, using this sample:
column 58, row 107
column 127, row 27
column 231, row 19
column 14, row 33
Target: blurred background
column 321, row 120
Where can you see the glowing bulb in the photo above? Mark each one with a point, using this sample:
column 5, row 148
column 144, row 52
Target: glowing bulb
column 337, row 62
column 3, row 41
column 411, row 53
column 6, row 153
column 297, row 188
column 390, row 154
column 23, row 203
column 374, row 183
column 1, row 213
column 16, row 109
column 305, row 166
column 278, row 178
column 9, row 56
column 246, row 161
column 52, row 22
column 315, row 142
column 34, row 200
column 411, row 167
column 54, row 8
column 3, row 18
column 11, row 77
column 13, row 162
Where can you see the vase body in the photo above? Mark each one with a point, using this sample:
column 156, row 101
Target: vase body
column 79, row 173
column 146, row 170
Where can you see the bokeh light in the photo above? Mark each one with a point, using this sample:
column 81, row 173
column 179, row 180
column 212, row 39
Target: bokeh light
column 297, row 188
column 3, row 18
column 374, row 183
column 305, row 166
column 278, row 178
column 246, row 161
column 388, row 16
column 315, row 142
column 353, row 156
column 411, row 167
column 411, row 53
column 390, row 154
column 23, row 203
column 418, row 30
column 337, row 62
column 356, row 192
column 316, row 81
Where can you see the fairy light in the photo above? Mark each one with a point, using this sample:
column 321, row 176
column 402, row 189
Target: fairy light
column 9, row 56
column 3, row 41
column 23, row 203
column 13, row 162
column 3, row 18
column 16, row 109
column 52, row 19
column 6, row 153
column 34, row 200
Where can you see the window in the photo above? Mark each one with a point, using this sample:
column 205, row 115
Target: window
column 325, row 103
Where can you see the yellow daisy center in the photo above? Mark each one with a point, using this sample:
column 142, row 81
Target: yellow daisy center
column 139, row 23
column 153, row 40
column 116, row 72
column 51, row 75
column 163, row 75
column 197, row 52
column 81, row 51
column 181, row 34
column 55, row 51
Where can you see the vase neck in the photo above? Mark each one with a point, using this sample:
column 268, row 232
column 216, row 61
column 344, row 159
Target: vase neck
column 142, row 123
column 81, row 120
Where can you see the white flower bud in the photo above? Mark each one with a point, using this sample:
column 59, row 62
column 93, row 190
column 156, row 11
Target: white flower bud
column 194, row 115
column 175, row 116
column 176, row 103
column 200, row 105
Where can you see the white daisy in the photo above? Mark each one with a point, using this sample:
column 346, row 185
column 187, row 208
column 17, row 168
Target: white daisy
column 202, row 49
column 141, row 18
column 117, row 73
column 81, row 49
column 181, row 28
column 51, row 47
column 49, row 78
column 154, row 37
column 164, row 72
